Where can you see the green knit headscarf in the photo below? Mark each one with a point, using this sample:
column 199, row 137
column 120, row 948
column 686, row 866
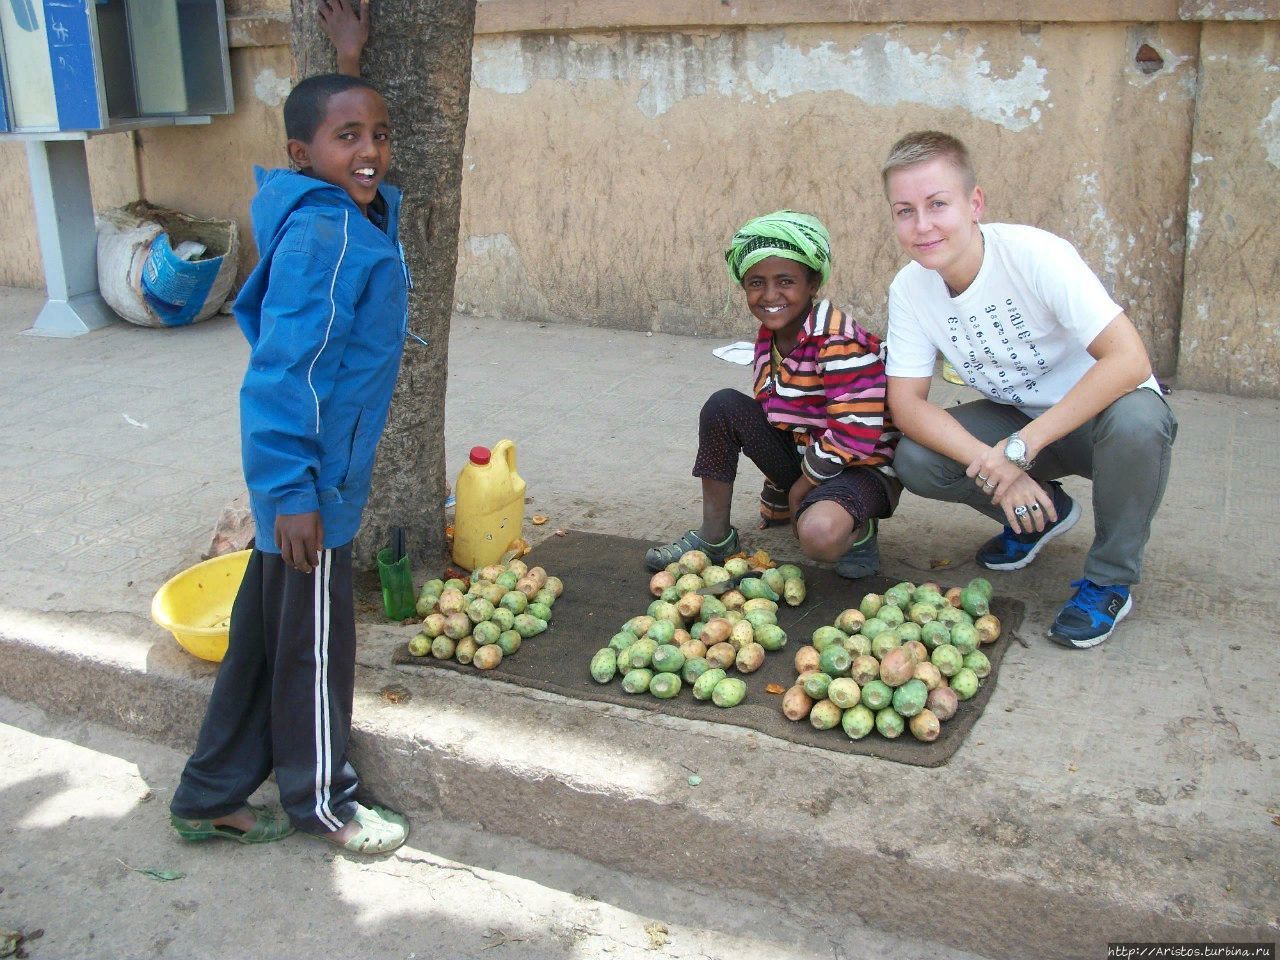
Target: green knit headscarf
column 783, row 233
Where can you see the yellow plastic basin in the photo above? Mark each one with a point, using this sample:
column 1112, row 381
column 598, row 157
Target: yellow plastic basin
column 195, row 605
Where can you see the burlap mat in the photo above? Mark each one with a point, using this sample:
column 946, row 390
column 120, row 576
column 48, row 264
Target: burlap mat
column 606, row 584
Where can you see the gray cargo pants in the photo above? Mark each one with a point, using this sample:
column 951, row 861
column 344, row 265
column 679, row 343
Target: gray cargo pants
column 1125, row 450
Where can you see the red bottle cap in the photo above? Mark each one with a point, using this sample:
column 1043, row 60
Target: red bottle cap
column 480, row 456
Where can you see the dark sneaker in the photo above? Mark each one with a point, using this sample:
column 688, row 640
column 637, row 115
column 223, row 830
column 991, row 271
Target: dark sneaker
column 659, row 558
column 1091, row 615
column 1013, row 551
column 863, row 558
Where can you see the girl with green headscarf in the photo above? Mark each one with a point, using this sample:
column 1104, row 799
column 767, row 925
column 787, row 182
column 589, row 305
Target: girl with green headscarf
column 816, row 424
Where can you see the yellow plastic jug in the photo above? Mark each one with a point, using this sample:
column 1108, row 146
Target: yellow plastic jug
column 489, row 512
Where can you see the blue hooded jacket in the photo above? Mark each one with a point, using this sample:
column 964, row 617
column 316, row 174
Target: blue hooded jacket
column 325, row 313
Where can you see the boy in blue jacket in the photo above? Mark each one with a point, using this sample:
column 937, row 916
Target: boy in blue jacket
column 325, row 314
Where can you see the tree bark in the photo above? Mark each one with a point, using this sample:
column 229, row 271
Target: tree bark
column 419, row 57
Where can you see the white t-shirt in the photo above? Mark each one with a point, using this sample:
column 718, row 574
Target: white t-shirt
column 1018, row 334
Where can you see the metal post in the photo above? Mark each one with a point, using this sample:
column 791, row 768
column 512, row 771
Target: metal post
column 68, row 240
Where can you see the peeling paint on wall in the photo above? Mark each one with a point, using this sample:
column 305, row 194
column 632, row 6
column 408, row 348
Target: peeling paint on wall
column 1104, row 228
column 1269, row 133
column 884, row 72
column 670, row 68
column 1195, row 219
column 270, row 88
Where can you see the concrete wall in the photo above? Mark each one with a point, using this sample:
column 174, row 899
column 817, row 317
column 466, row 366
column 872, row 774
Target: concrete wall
column 1231, row 298
column 614, row 147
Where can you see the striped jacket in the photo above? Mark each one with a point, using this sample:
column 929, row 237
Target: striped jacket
column 830, row 393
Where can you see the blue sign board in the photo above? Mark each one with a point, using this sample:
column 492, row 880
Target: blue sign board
column 75, row 79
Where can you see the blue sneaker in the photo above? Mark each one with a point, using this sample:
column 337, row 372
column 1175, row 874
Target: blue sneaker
column 863, row 558
column 1013, row 551
column 1091, row 615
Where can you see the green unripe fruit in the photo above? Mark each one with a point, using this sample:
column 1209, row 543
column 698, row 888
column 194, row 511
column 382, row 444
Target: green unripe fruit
column 844, row 693
column 964, row 637
column 664, row 686
column 857, row 722
column 824, row 637
column 661, row 631
column 529, row 626
column 871, row 605
column 816, row 685
column 824, row 715
column 486, row 633
column 771, row 637
column 977, row 661
column 857, row 645
column 907, row 631
column 934, row 634
column 442, row 647
column 873, row 628
column 420, row 645
column 604, row 665
column 897, row 597
column 965, row 683
column 728, row 692
column 835, row 661
column 974, row 602
column 509, row 642
column 876, row 695
column 712, row 607
column 982, row 584
column 909, row 699
column 694, row 667
column 705, row 685
column 667, row 658
column 640, row 654
column 883, row 643
column 890, row 723
column 891, row 616
column 923, row 612
column 753, row 587
column 947, row 659
column 515, row 601
column 775, row 579
column 637, row 680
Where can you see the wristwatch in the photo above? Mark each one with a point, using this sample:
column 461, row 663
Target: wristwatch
column 1015, row 451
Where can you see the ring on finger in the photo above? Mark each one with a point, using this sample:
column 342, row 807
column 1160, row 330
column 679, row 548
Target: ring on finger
column 1035, row 508
column 1020, row 510
column 983, row 479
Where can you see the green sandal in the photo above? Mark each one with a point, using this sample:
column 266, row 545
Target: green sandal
column 381, row 831
column 657, row 558
column 269, row 824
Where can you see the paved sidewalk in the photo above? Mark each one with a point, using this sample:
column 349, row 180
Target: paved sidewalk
column 84, row 802
column 1123, row 790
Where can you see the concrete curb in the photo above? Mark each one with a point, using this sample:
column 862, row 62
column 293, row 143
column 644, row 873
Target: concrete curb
column 949, row 854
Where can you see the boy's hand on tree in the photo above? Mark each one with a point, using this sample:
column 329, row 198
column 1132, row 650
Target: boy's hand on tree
column 300, row 537
column 346, row 24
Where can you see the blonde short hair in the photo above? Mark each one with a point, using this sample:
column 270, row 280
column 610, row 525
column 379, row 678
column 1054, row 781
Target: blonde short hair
column 923, row 146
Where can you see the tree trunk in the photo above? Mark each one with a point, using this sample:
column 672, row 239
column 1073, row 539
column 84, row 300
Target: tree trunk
column 419, row 56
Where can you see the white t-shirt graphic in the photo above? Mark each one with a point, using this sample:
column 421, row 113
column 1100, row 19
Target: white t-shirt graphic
column 1018, row 334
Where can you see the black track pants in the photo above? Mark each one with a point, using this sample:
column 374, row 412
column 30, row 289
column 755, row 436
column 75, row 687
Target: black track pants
column 282, row 699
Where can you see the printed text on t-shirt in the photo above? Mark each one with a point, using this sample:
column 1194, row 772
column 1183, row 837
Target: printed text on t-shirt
column 1005, row 345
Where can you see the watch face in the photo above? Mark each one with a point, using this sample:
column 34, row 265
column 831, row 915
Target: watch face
column 1015, row 449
